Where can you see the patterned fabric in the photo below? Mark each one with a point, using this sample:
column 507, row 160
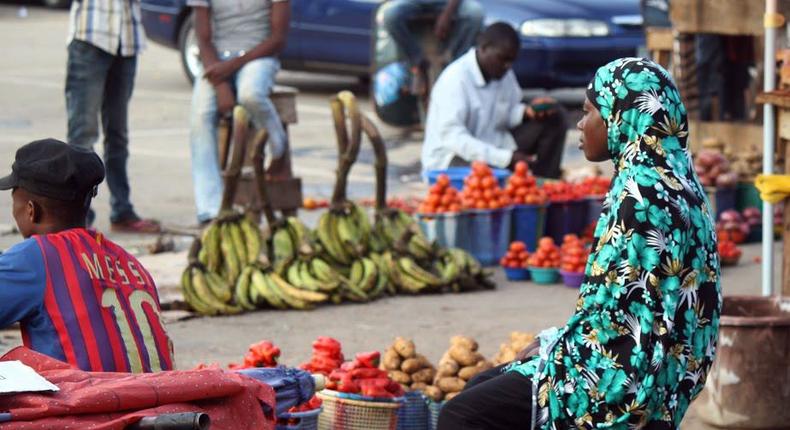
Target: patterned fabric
column 638, row 347
column 114, row 26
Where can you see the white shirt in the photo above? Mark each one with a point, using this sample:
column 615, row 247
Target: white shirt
column 471, row 118
column 114, row 26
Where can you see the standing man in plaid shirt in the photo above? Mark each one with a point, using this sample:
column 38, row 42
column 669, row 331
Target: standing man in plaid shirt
column 105, row 37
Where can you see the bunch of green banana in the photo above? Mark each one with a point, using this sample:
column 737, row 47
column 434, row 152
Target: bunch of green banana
column 463, row 272
column 228, row 244
column 259, row 285
column 344, row 233
column 207, row 293
column 395, row 229
column 411, row 277
column 313, row 273
column 366, row 281
column 285, row 238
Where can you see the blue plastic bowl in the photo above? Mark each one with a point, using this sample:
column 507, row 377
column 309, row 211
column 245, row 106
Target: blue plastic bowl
column 544, row 276
column 517, row 274
column 572, row 279
column 528, row 224
column 457, row 175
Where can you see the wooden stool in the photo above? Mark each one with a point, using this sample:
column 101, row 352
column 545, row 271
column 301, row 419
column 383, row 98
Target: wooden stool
column 285, row 191
column 660, row 42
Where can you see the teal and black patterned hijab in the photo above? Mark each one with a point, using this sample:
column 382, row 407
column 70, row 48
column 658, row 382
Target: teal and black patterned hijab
column 637, row 349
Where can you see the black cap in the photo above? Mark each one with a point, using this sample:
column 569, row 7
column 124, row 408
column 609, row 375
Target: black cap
column 55, row 169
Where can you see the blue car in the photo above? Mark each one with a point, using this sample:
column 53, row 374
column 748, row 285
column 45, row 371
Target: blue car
column 562, row 41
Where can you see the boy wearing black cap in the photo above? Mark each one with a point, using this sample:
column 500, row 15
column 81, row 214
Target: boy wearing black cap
column 78, row 297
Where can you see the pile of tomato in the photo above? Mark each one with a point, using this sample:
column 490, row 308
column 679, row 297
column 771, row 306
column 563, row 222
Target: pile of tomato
column 574, row 254
column 522, row 187
column 562, row 192
column 442, row 198
column 594, row 186
column 516, row 256
column 547, row 256
column 729, row 252
column 481, row 190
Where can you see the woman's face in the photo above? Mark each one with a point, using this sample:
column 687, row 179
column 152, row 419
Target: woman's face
column 593, row 134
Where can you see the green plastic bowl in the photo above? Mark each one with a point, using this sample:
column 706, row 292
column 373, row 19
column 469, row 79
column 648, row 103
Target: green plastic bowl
column 544, row 276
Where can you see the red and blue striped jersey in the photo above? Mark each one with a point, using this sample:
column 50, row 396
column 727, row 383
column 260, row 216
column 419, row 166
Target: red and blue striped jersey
column 83, row 299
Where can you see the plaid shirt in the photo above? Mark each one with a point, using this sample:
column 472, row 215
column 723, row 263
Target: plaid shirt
column 113, row 26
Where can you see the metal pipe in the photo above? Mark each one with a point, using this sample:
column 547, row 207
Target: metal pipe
column 769, row 136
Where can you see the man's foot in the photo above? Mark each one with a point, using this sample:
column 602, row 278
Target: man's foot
column 136, row 225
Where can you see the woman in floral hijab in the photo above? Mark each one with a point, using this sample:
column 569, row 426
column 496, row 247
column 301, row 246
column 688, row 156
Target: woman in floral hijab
column 638, row 347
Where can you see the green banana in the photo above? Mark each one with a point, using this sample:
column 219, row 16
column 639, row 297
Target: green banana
column 229, row 256
column 271, row 279
column 329, row 279
column 411, row 268
column 283, row 246
column 187, row 289
column 219, row 287
column 290, row 290
column 252, row 239
column 264, row 290
column 242, row 291
column 308, row 281
column 237, row 239
column 211, row 243
column 370, row 277
column 203, row 293
column 328, row 237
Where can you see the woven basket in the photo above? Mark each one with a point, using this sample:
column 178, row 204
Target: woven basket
column 308, row 420
column 349, row 412
column 413, row 414
column 433, row 409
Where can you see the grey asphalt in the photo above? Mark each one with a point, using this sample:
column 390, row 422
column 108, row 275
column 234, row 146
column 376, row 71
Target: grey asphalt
column 32, row 106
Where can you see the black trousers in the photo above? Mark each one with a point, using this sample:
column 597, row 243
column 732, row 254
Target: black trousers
column 491, row 400
column 545, row 139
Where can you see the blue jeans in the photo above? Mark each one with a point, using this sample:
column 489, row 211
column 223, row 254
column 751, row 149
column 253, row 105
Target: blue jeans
column 252, row 84
column 466, row 26
column 99, row 82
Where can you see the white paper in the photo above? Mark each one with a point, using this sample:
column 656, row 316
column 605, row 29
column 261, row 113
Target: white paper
column 16, row 377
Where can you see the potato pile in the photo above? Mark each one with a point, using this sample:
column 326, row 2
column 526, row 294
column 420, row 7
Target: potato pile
column 404, row 366
column 517, row 342
column 458, row 365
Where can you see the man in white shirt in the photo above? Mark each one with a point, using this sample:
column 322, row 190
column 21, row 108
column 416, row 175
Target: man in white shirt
column 476, row 113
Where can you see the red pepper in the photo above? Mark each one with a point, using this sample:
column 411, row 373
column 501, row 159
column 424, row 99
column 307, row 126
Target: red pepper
column 369, row 359
column 373, row 391
column 350, row 365
column 395, row 388
column 265, row 354
column 366, row 373
column 347, row 384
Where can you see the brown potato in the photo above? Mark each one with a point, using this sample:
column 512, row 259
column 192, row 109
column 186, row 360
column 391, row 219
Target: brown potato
column 450, row 384
column 405, row 347
column 400, row 377
column 411, row 365
column 425, row 375
column 418, row 386
column 391, row 360
column 434, row 393
column 464, row 341
column 450, row 396
column 449, row 368
column 470, row 372
column 464, row 356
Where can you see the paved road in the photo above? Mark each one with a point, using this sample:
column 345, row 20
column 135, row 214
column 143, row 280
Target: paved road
column 32, row 106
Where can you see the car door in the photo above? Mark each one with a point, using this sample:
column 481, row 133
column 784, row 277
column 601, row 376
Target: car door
column 333, row 34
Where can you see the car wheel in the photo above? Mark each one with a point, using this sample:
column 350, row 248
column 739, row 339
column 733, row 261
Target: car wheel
column 188, row 47
column 56, row 4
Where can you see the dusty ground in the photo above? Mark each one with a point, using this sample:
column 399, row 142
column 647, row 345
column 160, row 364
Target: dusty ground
column 32, row 106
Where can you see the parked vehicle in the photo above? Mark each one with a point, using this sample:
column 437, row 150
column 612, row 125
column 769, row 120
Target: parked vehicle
column 562, row 41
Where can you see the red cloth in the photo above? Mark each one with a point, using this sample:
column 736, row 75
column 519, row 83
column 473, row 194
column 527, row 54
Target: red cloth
column 105, row 400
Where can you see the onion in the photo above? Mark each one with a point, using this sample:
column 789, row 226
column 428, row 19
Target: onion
column 730, row 216
column 727, row 180
column 752, row 212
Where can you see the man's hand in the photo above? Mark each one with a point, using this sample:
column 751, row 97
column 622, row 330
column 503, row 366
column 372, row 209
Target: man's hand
column 443, row 25
column 221, row 71
column 541, row 108
column 519, row 156
column 531, row 350
column 226, row 100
